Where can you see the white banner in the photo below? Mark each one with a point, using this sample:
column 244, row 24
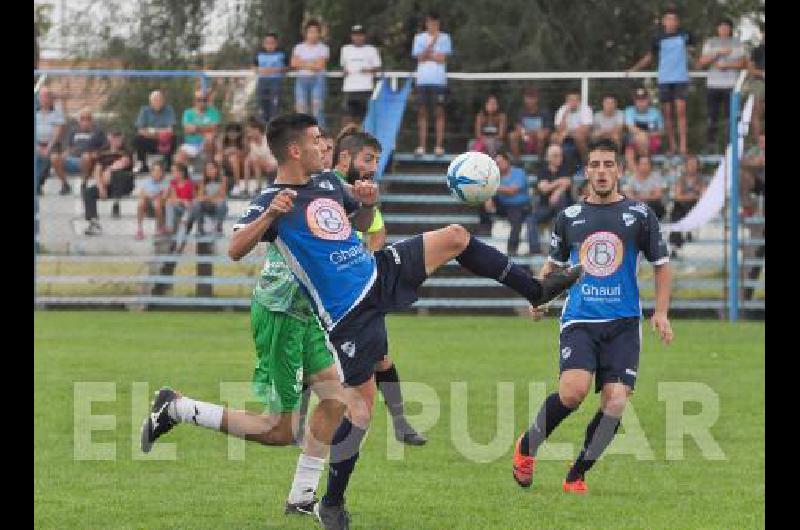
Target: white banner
column 713, row 199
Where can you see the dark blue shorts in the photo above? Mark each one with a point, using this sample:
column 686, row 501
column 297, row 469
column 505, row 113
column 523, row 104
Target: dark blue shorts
column 360, row 338
column 430, row 95
column 671, row 91
column 610, row 350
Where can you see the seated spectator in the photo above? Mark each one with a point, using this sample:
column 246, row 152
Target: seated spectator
column 260, row 160
column 200, row 125
column 533, row 127
column 573, row 122
column 490, row 128
column 113, row 178
column 553, row 188
column 645, row 125
column 180, row 201
column 610, row 122
column 310, row 59
column 512, row 199
column 82, row 145
column 646, row 186
column 155, row 132
column 231, row 153
column 753, row 171
column 686, row 193
column 49, row 135
column 210, row 199
column 152, row 196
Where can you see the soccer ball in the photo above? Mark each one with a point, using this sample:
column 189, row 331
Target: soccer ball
column 473, row 177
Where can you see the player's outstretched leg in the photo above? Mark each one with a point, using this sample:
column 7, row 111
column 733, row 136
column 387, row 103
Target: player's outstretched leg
column 388, row 382
column 170, row 408
column 455, row 241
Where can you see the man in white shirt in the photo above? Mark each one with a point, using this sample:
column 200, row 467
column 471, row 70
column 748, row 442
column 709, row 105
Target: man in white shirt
column 573, row 122
column 360, row 62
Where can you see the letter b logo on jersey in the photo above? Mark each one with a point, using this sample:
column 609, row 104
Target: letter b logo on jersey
column 327, row 220
column 601, row 253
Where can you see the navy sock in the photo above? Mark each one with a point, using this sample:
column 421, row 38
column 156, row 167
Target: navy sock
column 388, row 382
column 344, row 454
column 484, row 260
column 552, row 413
column 599, row 433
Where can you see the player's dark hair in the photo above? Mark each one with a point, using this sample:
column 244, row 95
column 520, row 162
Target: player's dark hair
column 670, row 10
column 353, row 140
column 604, row 144
column 286, row 129
column 434, row 15
column 271, row 34
column 312, row 22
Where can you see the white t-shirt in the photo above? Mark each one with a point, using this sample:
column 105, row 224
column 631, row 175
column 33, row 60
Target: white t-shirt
column 354, row 58
column 310, row 52
column 583, row 116
column 607, row 123
column 723, row 78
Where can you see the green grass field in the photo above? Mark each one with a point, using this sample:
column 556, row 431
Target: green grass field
column 434, row 486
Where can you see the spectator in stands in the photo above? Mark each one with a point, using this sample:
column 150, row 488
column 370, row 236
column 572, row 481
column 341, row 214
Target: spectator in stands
column 327, row 150
column 553, row 187
column 573, row 122
column 645, row 125
column 113, row 179
column 533, row 127
column 155, row 132
column 231, row 155
column 753, row 173
column 82, row 145
column 672, row 47
column 431, row 49
column 260, row 160
column 686, row 192
column 490, row 128
column 270, row 65
column 200, row 126
column 360, row 62
column 755, row 84
column 310, row 59
column 180, row 200
column 512, row 199
column 50, row 124
column 152, row 197
column 646, row 186
column 724, row 56
column 210, row 199
column 609, row 122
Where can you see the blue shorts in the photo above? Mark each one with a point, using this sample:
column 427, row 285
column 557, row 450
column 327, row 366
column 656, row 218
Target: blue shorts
column 360, row 339
column 72, row 164
column 671, row 91
column 430, row 95
column 610, row 350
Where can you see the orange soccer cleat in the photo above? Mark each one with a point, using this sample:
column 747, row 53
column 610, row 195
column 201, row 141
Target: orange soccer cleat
column 576, row 486
column 524, row 466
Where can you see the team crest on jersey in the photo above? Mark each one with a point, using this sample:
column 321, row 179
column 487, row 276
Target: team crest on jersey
column 349, row 348
column 601, row 253
column 566, row 351
column 628, row 219
column 639, row 207
column 325, row 185
column 327, row 220
column 573, row 211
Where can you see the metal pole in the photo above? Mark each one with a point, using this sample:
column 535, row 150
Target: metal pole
column 733, row 212
column 35, row 197
column 585, row 91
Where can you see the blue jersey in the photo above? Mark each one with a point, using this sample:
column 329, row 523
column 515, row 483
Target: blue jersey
column 319, row 245
column 607, row 239
column 672, row 52
column 265, row 59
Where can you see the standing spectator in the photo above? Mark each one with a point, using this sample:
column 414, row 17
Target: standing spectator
column 672, row 47
column 360, row 62
column 533, row 126
column 270, row 65
column 210, row 199
column 553, row 188
column 200, row 125
column 647, row 186
column 686, row 193
column 512, row 199
column 152, row 195
column 490, row 127
column 645, row 125
column 609, row 122
column 82, row 145
column 113, row 178
column 260, row 160
column 725, row 57
column 431, row 49
column 573, row 122
column 753, row 174
column 155, row 131
column 180, row 201
column 50, row 124
column 231, row 156
column 755, row 85
column 310, row 59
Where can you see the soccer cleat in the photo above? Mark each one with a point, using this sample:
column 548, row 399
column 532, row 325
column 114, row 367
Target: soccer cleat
column 332, row 517
column 405, row 433
column 158, row 422
column 301, row 508
column 576, row 486
column 556, row 283
column 523, row 466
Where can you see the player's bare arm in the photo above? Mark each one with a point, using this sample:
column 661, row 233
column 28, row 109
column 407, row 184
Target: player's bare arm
column 660, row 320
column 247, row 237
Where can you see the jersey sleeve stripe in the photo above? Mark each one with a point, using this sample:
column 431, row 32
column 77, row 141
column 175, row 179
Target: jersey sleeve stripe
column 661, row 261
column 559, row 263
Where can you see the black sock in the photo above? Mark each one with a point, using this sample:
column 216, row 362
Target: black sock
column 344, row 454
column 389, row 384
column 599, row 433
column 552, row 413
column 487, row 261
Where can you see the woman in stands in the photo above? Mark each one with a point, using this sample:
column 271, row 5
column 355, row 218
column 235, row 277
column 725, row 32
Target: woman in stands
column 490, row 128
column 230, row 155
column 210, row 199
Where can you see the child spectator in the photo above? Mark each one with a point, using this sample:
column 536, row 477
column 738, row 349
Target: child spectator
column 259, row 161
column 645, row 126
column 180, row 204
column 152, row 196
column 310, row 58
column 231, row 155
column 210, row 199
column 490, row 128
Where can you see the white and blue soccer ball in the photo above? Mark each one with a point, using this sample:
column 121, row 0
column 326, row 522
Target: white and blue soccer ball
column 473, row 177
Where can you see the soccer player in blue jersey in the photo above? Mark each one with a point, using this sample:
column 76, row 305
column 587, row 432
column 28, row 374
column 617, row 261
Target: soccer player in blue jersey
column 600, row 322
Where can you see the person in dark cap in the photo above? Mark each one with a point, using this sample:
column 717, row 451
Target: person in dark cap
column 360, row 61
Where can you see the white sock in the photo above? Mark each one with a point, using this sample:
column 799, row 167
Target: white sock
column 306, row 478
column 187, row 410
